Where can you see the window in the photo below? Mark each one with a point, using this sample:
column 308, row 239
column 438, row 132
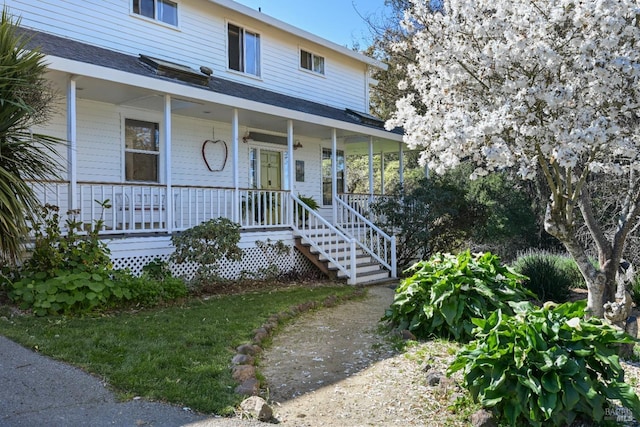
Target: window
column 141, row 150
column 311, row 62
column 161, row 10
column 326, row 174
column 244, row 50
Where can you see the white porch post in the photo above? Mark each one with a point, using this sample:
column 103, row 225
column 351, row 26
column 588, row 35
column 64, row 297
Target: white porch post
column 401, row 164
column 72, row 139
column 334, row 175
column 371, row 167
column 167, row 161
column 382, row 172
column 234, row 159
column 291, row 171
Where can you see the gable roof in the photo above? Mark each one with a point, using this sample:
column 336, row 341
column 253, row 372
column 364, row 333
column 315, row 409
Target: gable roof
column 62, row 47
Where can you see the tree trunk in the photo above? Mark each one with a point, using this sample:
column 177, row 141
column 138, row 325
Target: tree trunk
column 601, row 283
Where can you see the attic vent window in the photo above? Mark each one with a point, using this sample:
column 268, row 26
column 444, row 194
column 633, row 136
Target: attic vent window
column 175, row 71
column 366, row 119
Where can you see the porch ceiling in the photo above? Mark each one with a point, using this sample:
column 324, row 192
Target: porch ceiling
column 94, row 89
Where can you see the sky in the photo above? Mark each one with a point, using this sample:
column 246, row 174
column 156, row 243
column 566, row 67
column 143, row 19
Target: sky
column 336, row 20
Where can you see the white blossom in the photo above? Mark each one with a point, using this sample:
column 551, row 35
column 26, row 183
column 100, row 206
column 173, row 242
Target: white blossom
column 516, row 82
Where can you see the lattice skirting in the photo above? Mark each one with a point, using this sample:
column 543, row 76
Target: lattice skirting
column 134, row 253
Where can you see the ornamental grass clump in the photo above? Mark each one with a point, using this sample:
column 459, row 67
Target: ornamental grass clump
column 546, row 366
column 447, row 291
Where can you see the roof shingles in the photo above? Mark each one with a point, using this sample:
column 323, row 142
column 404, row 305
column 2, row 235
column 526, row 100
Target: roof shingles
column 70, row 49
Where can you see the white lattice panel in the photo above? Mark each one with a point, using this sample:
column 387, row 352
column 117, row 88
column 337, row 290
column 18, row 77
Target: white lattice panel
column 135, row 252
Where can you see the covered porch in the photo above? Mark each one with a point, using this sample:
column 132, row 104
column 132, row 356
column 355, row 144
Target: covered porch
column 241, row 153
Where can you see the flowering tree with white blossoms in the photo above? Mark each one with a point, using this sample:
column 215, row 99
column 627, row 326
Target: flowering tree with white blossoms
column 550, row 87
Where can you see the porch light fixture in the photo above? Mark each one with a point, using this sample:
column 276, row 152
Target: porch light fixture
column 297, row 145
column 246, row 137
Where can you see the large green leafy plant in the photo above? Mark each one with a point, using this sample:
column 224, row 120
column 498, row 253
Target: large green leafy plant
column 71, row 272
column 546, row 366
column 447, row 291
column 67, row 271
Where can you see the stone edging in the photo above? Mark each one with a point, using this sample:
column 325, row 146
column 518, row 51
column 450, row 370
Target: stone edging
column 244, row 362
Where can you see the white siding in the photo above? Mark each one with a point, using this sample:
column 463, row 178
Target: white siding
column 100, row 148
column 199, row 40
column 188, row 166
column 99, row 142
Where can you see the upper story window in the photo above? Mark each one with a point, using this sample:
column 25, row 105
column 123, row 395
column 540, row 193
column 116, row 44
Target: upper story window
column 311, row 61
column 161, row 10
column 244, row 50
column 141, row 150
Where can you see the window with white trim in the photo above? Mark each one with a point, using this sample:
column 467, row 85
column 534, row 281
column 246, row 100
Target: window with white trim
column 161, row 10
column 311, row 61
column 243, row 50
column 141, row 150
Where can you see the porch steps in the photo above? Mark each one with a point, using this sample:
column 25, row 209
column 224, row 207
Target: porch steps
column 368, row 271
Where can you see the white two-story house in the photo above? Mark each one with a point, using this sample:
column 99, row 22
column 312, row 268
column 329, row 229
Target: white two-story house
column 180, row 111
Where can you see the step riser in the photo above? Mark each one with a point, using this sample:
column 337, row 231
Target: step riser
column 367, row 278
column 367, row 270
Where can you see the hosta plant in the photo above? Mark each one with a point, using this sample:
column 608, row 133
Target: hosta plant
column 546, row 366
column 447, row 291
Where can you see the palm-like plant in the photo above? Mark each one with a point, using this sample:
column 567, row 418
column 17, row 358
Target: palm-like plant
column 26, row 100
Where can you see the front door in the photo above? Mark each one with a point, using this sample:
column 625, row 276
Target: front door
column 270, row 170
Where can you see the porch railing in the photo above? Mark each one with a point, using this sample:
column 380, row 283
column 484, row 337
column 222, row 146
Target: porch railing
column 328, row 240
column 128, row 208
column 362, row 203
column 369, row 237
column 194, row 205
column 263, row 208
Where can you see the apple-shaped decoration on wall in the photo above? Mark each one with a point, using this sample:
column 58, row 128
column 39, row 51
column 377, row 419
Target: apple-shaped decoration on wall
column 215, row 154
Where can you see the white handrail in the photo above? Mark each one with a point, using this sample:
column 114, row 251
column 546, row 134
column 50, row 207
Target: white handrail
column 311, row 226
column 369, row 237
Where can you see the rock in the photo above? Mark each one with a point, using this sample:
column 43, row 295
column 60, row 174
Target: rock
column 434, row 378
column 632, row 326
column 248, row 387
column 407, row 335
column 427, row 367
column 242, row 359
column 260, row 336
column 330, row 301
column 256, row 407
column 241, row 373
column 249, row 349
column 483, row 418
column 269, row 326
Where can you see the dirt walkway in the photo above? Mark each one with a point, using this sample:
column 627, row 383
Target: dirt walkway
column 325, row 347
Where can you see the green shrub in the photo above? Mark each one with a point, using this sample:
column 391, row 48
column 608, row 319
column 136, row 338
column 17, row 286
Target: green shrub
column 547, row 275
column 545, row 366
column 72, row 273
column 447, row 291
column 570, row 269
column 149, row 290
column 157, row 269
column 206, row 245
column 635, row 290
column 66, row 273
column 54, row 251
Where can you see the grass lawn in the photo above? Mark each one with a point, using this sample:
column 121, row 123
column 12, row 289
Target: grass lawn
column 179, row 354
